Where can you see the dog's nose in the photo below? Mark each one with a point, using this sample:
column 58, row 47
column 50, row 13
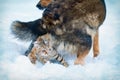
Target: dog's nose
column 40, row 7
column 37, row 5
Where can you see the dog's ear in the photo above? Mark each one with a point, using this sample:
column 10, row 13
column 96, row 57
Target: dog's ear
column 42, row 4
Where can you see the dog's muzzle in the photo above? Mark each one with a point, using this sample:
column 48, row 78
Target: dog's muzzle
column 40, row 7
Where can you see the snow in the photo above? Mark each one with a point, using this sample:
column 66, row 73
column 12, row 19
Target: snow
column 15, row 66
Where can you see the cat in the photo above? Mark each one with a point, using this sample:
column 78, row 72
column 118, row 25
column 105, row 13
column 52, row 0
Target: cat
column 43, row 51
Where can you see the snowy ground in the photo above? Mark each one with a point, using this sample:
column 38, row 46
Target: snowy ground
column 15, row 66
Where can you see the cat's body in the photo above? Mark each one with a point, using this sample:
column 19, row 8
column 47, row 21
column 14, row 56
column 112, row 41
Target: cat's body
column 43, row 51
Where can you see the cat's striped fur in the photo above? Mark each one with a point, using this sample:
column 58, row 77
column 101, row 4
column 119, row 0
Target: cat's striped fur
column 44, row 51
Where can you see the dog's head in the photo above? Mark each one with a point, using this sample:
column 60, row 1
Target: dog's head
column 42, row 4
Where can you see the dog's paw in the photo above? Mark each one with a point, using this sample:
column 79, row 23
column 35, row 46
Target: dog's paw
column 96, row 53
column 79, row 61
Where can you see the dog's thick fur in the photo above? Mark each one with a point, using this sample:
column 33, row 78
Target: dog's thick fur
column 93, row 16
column 72, row 23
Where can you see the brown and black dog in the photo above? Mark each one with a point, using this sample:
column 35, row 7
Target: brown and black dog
column 73, row 25
column 95, row 24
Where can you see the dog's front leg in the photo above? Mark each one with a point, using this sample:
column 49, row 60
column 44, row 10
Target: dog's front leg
column 81, row 57
column 96, row 44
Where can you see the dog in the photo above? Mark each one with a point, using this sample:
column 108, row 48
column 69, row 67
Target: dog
column 44, row 51
column 72, row 23
column 41, row 5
